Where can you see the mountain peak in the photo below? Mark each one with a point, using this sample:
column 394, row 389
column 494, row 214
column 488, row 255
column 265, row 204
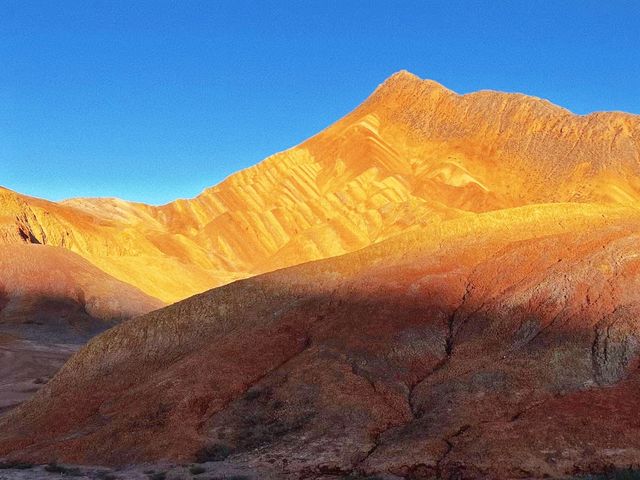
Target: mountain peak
column 404, row 87
column 413, row 152
column 404, row 74
column 404, row 79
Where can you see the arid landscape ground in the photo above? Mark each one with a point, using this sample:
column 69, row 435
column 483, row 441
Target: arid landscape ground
column 435, row 286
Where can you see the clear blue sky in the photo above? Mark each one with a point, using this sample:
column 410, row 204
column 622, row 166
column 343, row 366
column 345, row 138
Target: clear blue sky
column 155, row 100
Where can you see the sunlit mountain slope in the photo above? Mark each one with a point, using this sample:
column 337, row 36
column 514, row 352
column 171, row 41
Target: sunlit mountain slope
column 412, row 155
column 503, row 345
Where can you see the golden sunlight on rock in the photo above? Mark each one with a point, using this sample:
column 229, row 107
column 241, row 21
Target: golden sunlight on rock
column 442, row 286
column 414, row 154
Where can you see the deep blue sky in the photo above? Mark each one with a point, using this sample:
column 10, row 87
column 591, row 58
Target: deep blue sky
column 155, row 100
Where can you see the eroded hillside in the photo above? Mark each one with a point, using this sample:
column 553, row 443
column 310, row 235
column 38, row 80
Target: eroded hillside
column 51, row 302
column 414, row 154
column 501, row 345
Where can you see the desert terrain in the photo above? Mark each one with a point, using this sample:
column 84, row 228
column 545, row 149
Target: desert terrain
column 435, row 286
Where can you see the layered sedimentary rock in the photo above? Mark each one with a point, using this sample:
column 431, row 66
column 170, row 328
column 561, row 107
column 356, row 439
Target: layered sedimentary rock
column 52, row 287
column 412, row 154
column 115, row 236
column 482, row 320
column 501, row 345
column 51, row 302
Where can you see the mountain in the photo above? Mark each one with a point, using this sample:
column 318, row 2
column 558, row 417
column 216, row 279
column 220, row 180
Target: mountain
column 120, row 238
column 51, row 302
column 499, row 346
column 459, row 301
column 52, row 287
column 412, row 154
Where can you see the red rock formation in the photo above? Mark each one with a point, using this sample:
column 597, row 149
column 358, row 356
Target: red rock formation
column 414, row 153
column 41, row 285
column 485, row 323
column 482, row 347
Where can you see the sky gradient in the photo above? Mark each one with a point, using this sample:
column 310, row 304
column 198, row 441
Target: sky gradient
column 155, row 100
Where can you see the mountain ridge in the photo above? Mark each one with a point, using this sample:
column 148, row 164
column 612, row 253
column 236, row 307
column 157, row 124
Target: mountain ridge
column 349, row 364
column 440, row 286
column 413, row 153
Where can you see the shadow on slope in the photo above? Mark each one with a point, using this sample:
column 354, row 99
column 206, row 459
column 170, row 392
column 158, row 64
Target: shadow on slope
column 487, row 352
column 51, row 302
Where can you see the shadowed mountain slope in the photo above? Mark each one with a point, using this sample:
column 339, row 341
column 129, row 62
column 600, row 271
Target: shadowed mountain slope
column 51, row 302
column 411, row 155
column 61, row 292
column 503, row 344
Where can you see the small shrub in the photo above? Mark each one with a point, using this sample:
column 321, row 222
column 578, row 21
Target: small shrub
column 213, row 453
column 252, row 394
column 197, row 469
column 53, row 467
column 108, row 476
column 158, row 476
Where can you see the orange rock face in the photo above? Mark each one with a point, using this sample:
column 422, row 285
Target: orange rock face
column 482, row 322
column 44, row 285
column 413, row 154
column 479, row 348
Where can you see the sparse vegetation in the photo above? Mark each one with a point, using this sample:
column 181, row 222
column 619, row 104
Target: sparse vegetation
column 213, row 453
column 197, row 469
column 15, row 464
column 53, row 467
column 108, row 476
column 252, row 394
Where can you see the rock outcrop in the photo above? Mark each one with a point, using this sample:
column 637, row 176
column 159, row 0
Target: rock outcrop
column 412, row 154
column 468, row 307
column 502, row 345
